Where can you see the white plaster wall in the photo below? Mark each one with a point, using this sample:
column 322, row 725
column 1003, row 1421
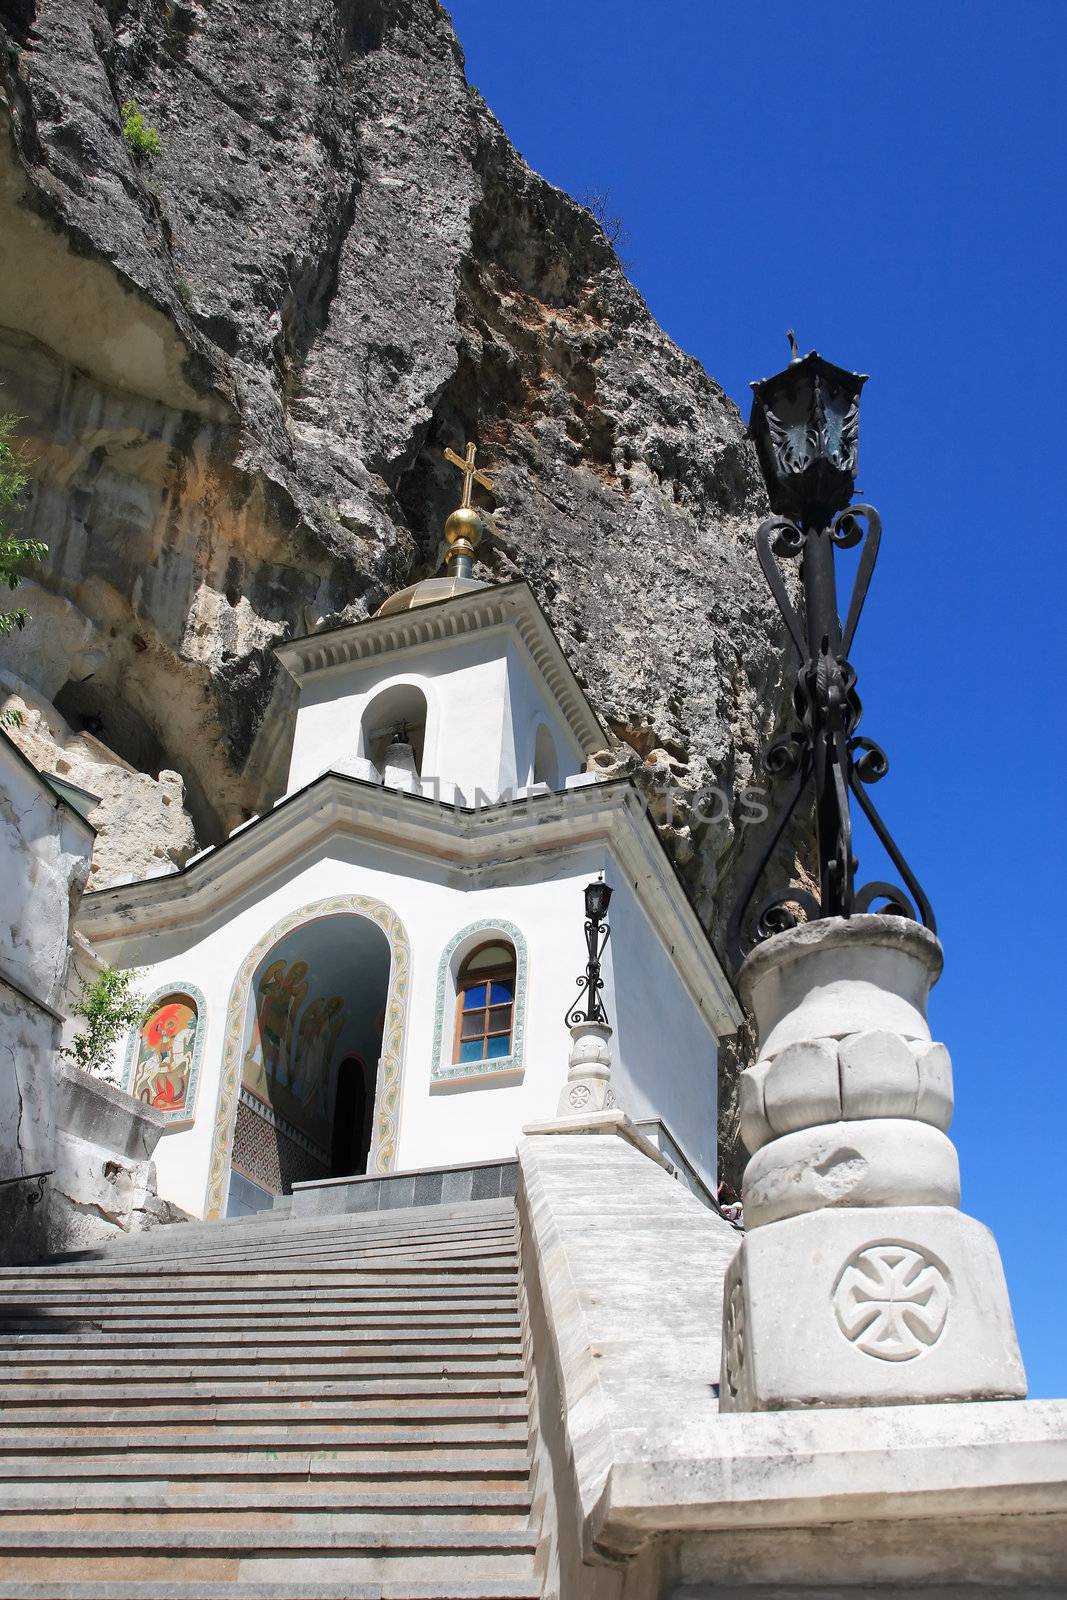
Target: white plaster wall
column 483, row 702
column 665, row 1048
column 45, row 849
column 528, row 708
column 456, row 1122
column 44, row 861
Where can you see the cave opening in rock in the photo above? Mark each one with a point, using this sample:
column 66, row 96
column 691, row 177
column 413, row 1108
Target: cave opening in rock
column 93, row 706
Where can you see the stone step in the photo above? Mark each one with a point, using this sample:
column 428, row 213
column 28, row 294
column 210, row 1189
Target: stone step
column 391, row 1314
column 234, row 1286
column 360, row 1319
column 349, row 1258
column 294, row 1435
column 191, row 1476
column 335, row 1409
column 337, row 1518
column 323, row 1400
column 239, row 1284
column 265, row 1232
column 376, row 1344
column 85, row 1411
column 162, row 1248
column 219, row 1365
column 305, row 1554
column 86, row 1319
column 206, row 1388
column 489, row 1247
column 69, row 1498
column 341, row 1589
column 296, row 1394
column 342, row 1274
column 197, row 1472
column 325, row 1335
column 270, row 1344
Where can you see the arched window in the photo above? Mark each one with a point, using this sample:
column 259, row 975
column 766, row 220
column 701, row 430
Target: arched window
column 545, row 764
column 485, row 1004
column 491, row 951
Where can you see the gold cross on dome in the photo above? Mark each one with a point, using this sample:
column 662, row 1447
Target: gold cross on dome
column 470, row 472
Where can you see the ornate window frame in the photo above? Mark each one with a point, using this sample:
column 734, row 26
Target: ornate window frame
column 394, row 1039
column 174, row 1121
column 443, row 1069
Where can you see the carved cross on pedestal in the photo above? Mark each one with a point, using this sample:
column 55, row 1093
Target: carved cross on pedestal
column 471, row 474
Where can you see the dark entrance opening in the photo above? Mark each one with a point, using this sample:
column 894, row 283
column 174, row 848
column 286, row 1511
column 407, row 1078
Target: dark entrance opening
column 353, row 1118
column 315, row 1018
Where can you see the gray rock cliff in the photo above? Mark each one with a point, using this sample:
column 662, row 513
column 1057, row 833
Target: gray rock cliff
column 237, row 363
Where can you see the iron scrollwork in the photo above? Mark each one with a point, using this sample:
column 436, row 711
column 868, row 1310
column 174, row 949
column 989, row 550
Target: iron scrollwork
column 590, row 983
column 35, row 1195
column 824, row 753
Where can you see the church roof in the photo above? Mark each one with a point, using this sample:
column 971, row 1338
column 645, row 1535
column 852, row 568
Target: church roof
column 474, row 840
column 427, row 593
column 454, row 616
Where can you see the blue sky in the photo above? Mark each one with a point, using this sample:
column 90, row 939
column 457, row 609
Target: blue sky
column 887, row 178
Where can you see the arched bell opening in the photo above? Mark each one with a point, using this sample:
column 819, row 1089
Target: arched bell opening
column 316, row 1006
column 545, row 760
column 395, row 717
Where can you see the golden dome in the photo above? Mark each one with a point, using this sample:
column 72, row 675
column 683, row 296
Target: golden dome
column 427, row 593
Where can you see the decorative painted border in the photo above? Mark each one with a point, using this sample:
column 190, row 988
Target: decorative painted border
column 187, row 1115
column 444, row 1071
column 387, row 1094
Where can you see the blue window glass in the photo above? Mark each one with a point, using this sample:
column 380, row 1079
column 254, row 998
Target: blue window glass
column 485, row 1009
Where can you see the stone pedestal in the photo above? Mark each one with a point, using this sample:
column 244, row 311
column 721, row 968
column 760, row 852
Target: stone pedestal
column 859, row 1281
column 588, row 1085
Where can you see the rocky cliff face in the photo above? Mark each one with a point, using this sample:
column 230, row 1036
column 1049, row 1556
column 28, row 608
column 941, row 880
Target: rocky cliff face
column 237, row 362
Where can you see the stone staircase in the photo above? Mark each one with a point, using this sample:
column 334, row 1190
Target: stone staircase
column 270, row 1408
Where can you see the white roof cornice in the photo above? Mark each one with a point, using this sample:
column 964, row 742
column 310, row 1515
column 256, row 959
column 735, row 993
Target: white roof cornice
column 508, row 605
column 471, row 843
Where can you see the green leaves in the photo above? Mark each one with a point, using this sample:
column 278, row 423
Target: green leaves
column 108, row 1006
column 141, row 140
column 14, row 552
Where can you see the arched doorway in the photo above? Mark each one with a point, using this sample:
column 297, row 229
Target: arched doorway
column 353, row 1118
column 316, row 1004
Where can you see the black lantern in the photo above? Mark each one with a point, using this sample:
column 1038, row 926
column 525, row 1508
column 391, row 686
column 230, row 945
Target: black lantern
column 597, row 899
column 805, row 425
column 597, row 932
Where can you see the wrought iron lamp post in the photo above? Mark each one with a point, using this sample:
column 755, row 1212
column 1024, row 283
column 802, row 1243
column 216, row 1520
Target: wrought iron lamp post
column 597, row 933
column 805, row 426
column 587, row 1089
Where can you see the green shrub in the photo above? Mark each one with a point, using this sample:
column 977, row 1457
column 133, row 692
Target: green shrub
column 108, row 1005
column 13, row 551
column 142, row 140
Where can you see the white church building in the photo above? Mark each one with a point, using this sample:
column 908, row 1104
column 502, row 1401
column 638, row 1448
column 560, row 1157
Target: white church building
column 373, row 976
